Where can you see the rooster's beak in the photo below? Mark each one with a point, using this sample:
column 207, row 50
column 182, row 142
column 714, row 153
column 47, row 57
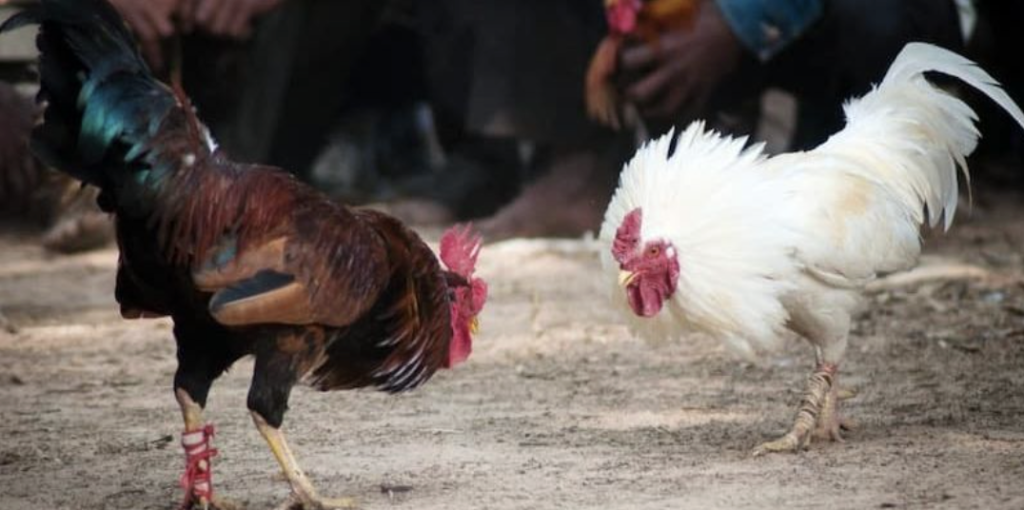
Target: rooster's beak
column 474, row 326
column 626, row 278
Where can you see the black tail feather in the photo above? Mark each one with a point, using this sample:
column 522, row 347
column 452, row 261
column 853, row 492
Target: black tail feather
column 103, row 105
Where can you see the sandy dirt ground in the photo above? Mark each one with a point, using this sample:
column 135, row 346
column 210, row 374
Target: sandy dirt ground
column 558, row 408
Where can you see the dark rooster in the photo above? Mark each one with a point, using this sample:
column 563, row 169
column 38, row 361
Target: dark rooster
column 244, row 258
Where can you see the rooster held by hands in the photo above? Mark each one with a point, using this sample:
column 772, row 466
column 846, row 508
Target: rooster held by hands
column 723, row 239
column 245, row 259
column 641, row 20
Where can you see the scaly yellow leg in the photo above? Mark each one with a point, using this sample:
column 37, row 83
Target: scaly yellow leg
column 302, row 489
column 191, row 413
column 830, row 422
column 817, row 414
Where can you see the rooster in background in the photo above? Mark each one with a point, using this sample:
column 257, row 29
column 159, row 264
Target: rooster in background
column 637, row 19
column 724, row 239
column 245, row 259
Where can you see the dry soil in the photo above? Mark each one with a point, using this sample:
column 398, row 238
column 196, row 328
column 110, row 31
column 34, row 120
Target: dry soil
column 559, row 407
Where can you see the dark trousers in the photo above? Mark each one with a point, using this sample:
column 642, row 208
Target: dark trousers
column 515, row 68
column 850, row 49
column 493, row 69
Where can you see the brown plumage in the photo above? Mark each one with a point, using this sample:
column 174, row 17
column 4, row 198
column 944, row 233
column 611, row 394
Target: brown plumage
column 261, row 248
column 244, row 258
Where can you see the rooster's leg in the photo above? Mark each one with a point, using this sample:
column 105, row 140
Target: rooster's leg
column 818, row 412
column 197, row 480
column 304, row 495
column 275, row 373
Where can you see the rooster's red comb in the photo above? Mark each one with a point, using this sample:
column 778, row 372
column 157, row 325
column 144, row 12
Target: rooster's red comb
column 621, row 15
column 628, row 235
column 460, row 247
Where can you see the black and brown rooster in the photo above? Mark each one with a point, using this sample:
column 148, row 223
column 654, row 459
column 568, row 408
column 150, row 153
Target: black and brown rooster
column 244, row 258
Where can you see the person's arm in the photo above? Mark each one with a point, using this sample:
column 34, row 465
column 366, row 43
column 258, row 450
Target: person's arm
column 766, row 27
column 675, row 75
column 225, row 18
column 151, row 20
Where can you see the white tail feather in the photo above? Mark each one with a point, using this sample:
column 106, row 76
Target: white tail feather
column 922, row 133
column 918, row 58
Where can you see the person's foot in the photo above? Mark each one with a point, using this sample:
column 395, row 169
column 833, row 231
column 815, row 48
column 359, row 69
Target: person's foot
column 566, row 202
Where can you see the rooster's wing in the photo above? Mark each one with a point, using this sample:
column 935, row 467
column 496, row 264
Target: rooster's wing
column 330, row 279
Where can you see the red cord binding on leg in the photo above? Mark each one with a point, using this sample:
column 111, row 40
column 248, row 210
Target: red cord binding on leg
column 197, row 480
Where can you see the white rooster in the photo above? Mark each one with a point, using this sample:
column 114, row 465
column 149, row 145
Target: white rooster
column 724, row 239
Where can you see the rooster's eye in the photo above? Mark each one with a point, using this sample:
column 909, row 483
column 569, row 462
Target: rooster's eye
column 653, row 251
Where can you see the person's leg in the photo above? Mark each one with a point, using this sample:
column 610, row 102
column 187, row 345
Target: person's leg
column 273, row 99
column 331, row 38
column 522, row 79
column 567, row 200
column 849, row 50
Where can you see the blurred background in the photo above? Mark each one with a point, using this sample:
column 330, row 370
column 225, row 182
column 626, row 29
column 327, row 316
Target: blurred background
column 517, row 115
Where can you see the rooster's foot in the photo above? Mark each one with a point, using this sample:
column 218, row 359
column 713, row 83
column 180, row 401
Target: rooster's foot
column 790, row 442
column 830, row 423
column 818, row 416
column 215, row 503
column 304, row 496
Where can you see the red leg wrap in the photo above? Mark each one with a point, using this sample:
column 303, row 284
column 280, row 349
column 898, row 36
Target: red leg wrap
column 197, row 479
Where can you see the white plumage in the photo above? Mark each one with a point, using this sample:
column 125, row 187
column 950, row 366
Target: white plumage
column 769, row 243
column 710, row 198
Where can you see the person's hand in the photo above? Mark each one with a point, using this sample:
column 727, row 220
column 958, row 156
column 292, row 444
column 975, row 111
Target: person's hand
column 152, row 21
column 225, row 18
column 676, row 74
